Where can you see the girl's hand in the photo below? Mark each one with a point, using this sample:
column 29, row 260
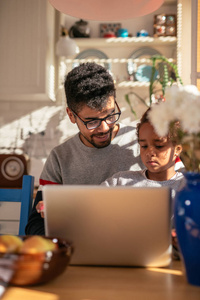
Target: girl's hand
column 175, row 248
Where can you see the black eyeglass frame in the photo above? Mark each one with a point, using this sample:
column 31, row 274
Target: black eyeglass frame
column 100, row 119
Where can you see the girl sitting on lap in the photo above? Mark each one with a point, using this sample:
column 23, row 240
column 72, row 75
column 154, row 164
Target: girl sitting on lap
column 158, row 154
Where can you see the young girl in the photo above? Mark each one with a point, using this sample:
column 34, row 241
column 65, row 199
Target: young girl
column 158, row 154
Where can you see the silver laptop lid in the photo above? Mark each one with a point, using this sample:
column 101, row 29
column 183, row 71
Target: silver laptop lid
column 119, row 226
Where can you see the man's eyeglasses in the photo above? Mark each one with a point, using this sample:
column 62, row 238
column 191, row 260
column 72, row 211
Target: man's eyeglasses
column 110, row 119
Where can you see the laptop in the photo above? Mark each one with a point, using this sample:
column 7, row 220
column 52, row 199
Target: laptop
column 111, row 226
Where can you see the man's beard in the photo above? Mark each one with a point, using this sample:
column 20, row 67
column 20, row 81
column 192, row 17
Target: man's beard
column 100, row 144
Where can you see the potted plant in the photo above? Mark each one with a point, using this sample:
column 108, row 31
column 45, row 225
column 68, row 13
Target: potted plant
column 168, row 74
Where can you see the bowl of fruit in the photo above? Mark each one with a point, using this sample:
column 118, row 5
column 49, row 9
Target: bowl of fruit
column 31, row 260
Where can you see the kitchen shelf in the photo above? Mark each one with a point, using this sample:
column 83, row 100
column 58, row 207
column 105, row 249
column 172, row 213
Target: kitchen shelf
column 115, row 64
column 113, row 60
column 139, row 84
column 110, row 42
column 129, row 84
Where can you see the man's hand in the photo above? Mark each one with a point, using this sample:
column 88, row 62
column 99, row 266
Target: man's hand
column 40, row 208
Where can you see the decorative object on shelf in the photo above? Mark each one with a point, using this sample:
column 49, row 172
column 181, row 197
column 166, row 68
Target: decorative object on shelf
column 183, row 104
column 122, row 32
column 109, row 34
column 92, row 55
column 143, row 73
column 80, row 29
column 103, row 10
column 106, row 28
column 143, row 52
column 164, row 25
column 142, row 33
column 65, row 45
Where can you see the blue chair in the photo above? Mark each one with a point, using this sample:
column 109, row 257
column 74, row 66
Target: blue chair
column 12, row 195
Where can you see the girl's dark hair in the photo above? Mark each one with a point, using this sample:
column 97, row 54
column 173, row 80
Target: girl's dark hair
column 173, row 129
column 89, row 84
column 144, row 119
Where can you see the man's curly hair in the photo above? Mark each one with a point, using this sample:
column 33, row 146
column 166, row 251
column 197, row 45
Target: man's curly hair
column 173, row 129
column 88, row 84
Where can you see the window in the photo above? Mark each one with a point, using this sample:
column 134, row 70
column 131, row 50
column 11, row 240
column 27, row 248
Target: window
column 195, row 50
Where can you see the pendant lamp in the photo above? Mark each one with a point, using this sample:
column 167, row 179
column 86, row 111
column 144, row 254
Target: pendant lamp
column 65, row 45
column 104, row 10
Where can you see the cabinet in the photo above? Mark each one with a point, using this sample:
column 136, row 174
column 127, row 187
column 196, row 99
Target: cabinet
column 27, row 49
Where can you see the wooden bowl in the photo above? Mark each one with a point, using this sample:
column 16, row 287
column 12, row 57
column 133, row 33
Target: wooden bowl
column 33, row 269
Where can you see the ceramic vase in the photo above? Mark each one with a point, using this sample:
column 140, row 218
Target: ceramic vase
column 187, row 224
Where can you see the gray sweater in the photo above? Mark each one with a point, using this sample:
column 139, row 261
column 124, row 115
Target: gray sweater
column 74, row 163
column 139, row 179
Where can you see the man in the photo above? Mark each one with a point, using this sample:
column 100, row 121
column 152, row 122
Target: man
column 101, row 148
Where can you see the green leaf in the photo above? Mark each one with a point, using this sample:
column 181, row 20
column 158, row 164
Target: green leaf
column 129, row 103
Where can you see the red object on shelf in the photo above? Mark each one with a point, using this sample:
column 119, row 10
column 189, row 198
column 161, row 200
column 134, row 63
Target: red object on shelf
column 109, row 35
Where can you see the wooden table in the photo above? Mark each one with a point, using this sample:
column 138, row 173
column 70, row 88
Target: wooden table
column 100, row 283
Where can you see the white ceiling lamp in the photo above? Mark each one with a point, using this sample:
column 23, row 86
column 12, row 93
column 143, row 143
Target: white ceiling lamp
column 104, row 10
column 66, row 46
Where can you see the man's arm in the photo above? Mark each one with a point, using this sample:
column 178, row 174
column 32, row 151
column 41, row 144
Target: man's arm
column 35, row 225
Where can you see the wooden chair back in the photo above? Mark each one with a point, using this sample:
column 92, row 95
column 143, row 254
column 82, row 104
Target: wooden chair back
column 11, row 213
